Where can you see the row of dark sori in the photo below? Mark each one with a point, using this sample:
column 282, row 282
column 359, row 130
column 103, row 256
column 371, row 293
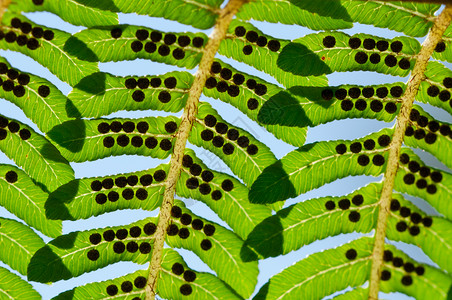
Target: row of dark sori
column 253, row 37
column 13, row 127
column 144, row 83
column 424, row 172
column 206, row 176
column 121, row 234
column 231, row 134
column 431, row 127
column 344, row 204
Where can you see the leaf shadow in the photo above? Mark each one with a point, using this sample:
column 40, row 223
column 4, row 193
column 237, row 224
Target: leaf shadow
column 79, row 49
column 55, row 206
column 69, row 135
column 67, row 295
column 93, row 83
column 335, row 9
column 46, row 266
column 272, row 185
column 283, row 109
column 266, row 239
column 297, row 59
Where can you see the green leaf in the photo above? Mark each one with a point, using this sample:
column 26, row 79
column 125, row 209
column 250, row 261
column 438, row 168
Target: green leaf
column 435, row 187
column 29, row 200
column 262, row 57
column 290, row 130
column 197, row 13
column 44, row 110
column 311, row 14
column 19, row 243
column 414, row 19
column 14, row 287
column 317, row 275
column 224, row 255
column 87, row 197
column 101, row 94
column 87, row 13
column 73, row 254
column 292, row 227
column 35, row 154
column 76, row 253
column 320, row 105
column 435, row 76
column 206, row 286
column 81, row 140
column 102, row 46
column 433, row 284
column 434, row 137
column 355, row 294
column 443, row 49
column 422, row 230
column 99, row 290
column 249, row 157
column 54, row 54
column 314, row 165
column 328, row 52
column 233, row 206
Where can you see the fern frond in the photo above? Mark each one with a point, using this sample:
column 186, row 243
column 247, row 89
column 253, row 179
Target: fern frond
column 427, row 133
column 326, row 17
column 14, row 287
column 427, row 232
column 50, row 50
column 298, row 171
column 29, row 200
column 180, row 49
column 87, row 197
column 436, row 89
column 412, row 19
column 314, row 276
column 328, row 52
column 19, row 243
column 245, row 43
column 435, row 188
column 37, row 97
column 84, row 140
column 220, row 251
column 197, row 13
column 175, row 273
column 291, row 228
column 224, row 194
column 101, row 94
column 79, row 252
column 35, row 154
column 443, row 49
column 243, row 153
column 84, row 13
column 76, row 253
column 264, row 102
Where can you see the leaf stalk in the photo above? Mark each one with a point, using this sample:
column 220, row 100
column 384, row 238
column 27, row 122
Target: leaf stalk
column 181, row 137
column 417, row 75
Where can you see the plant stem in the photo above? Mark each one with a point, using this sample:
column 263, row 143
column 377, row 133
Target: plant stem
column 3, row 5
column 417, row 75
column 188, row 117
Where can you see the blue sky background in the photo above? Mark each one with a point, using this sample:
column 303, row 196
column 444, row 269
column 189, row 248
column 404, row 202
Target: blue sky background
column 344, row 129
